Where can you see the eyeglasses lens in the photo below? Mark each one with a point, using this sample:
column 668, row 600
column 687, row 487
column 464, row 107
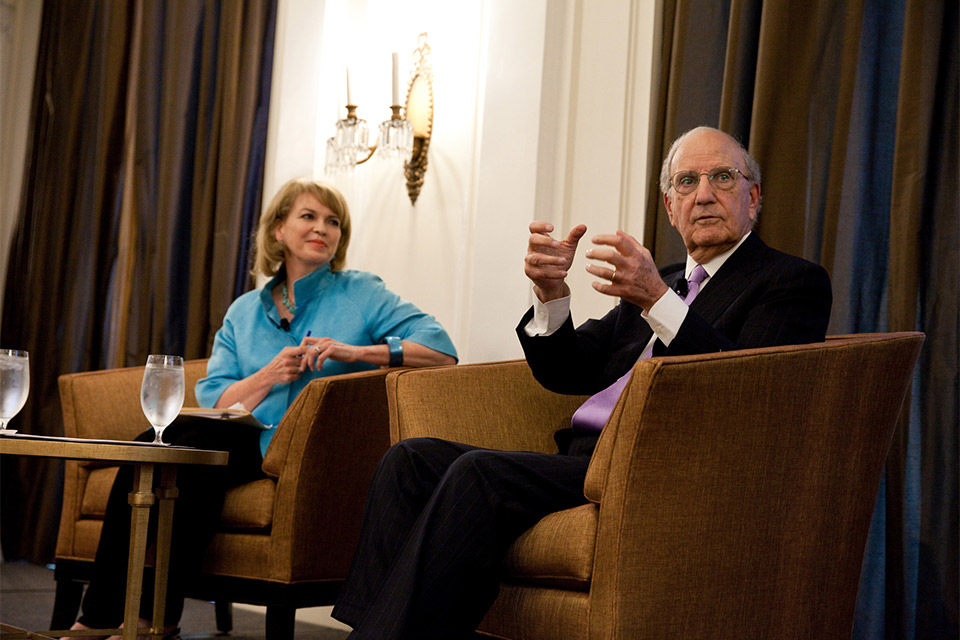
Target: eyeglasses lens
column 722, row 178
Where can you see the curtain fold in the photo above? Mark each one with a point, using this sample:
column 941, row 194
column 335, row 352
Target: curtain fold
column 851, row 109
column 63, row 245
column 143, row 178
column 924, row 258
column 691, row 85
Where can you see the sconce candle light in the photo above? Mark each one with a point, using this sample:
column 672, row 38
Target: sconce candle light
column 399, row 137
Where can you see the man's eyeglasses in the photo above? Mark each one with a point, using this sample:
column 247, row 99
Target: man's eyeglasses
column 722, row 178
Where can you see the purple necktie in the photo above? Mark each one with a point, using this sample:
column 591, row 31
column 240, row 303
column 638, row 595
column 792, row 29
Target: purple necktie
column 593, row 414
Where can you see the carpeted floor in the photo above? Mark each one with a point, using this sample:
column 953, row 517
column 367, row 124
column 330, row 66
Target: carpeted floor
column 27, row 594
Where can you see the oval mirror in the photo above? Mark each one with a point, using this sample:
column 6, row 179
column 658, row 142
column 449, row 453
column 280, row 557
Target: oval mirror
column 420, row 105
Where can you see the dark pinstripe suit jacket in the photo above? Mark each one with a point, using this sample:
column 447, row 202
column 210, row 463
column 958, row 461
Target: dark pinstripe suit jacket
column 760, row 297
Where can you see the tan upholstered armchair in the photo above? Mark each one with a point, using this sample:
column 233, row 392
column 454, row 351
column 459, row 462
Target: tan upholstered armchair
column 286, row 541
column 730, row 494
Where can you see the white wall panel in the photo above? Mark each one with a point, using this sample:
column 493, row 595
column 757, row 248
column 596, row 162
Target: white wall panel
column 541, row 112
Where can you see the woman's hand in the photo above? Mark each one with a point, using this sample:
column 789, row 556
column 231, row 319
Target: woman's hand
column 290, row 363
column 317, row 350
column 285, row 366
column 250, row 391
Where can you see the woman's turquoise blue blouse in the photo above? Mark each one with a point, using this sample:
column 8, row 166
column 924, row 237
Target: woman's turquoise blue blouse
column 353, row 307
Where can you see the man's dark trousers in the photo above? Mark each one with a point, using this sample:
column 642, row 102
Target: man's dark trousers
column 445, row 514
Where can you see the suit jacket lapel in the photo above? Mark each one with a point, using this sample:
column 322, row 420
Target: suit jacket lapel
column 730, row 280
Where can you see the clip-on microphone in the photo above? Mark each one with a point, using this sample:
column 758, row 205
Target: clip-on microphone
column 681, row 287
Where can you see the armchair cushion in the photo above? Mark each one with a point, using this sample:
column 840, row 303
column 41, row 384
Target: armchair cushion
column 86, row 537
column 249, row 506
column 557, row 552
column 96, row 491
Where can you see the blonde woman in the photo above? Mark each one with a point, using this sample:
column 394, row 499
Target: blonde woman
column 313, row 318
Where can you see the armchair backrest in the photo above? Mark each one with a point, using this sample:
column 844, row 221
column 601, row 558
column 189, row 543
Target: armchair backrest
column 109, row 401
column 498, row 405
column 736, row 489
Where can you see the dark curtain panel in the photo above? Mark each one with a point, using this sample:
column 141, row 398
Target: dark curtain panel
column 142, row 185
column 851, row 109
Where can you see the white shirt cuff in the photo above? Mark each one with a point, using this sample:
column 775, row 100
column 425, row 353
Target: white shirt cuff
column 666, row 316
column 547, row 316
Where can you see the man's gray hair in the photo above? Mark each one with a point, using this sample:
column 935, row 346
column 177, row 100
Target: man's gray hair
column 753, row 169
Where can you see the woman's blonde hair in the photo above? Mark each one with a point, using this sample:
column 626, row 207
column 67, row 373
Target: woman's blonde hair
column 268, row 252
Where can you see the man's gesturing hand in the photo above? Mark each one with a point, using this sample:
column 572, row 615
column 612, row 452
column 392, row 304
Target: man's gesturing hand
column 632, row 274
column 548, row 260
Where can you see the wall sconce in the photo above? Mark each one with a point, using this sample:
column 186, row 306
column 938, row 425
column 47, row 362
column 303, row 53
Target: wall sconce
column 420, row 115
column 406, row 137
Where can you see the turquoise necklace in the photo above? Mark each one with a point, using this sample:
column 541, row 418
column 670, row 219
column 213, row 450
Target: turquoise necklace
column 286, row 301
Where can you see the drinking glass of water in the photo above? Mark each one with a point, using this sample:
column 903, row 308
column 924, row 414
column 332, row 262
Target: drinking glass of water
column 161, row 392
column 14, row 384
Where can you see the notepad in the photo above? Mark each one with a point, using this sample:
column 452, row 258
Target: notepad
column 233, row 415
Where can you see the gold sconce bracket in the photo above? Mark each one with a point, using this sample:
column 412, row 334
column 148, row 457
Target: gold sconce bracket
column 419, row 111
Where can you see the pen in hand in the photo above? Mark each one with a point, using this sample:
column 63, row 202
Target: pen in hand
column 305, row 337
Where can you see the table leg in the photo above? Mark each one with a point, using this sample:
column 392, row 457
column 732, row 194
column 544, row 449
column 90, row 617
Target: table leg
column 141, row 499
column 166, row 493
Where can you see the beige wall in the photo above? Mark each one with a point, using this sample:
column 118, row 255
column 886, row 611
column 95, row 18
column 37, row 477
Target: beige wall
column 541, row 111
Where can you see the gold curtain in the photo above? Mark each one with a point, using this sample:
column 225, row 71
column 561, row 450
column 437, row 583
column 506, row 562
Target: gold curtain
column 188, row 163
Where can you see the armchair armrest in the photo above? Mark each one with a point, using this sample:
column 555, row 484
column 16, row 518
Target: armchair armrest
column 323, row 454
column 498, row 405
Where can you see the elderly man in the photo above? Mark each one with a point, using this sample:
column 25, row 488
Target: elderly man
column 440, row 515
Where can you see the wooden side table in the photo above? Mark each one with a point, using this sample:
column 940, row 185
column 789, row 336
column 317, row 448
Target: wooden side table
column 149, row 460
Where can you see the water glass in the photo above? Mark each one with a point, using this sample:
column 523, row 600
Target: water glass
column 14, row 384
column 161, row 392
